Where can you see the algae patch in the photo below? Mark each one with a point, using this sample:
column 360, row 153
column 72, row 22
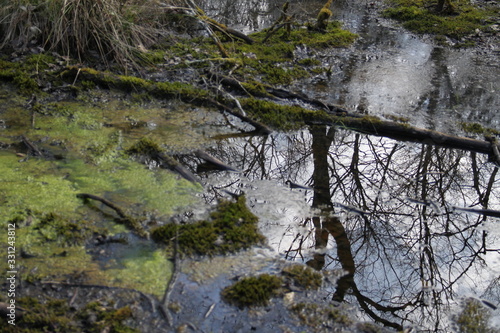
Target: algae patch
column 422, row 17
column 84, row 153
column 147, row 270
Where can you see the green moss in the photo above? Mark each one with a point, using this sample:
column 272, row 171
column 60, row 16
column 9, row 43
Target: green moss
column 303, row 276
column 24, row 74
column 475, row 128
column 315, row 315
column 253, row 290
column 474, row 318
column 55, row 228
column 39, row 62
column 255, row 88
column 276, row 75
column 282, row 117
column 420, row 16
column 309, row 62
column 399, row 119
column 145, row 146
column 232, row 228
column 55, row 315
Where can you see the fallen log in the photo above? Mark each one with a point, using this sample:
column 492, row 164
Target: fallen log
column 404, row 132
column 271, row 92
column 330, row 115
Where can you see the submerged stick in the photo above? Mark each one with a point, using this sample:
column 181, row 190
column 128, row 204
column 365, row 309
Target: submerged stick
column 31, row 146
column 129, row 221
column 215, row 161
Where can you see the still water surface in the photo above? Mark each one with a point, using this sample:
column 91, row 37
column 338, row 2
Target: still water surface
column 388, row 214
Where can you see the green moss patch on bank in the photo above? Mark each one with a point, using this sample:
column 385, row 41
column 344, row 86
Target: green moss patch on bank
column 420, row 16
column 56, row 315
column 316, row 315
column 303, row 276
column 27, row 75
column 232, row 228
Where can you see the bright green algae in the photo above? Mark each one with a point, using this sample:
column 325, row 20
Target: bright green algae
column 83, row 154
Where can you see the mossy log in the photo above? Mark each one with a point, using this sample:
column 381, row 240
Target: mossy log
column 263, row 90
column 327, row 115
column 404, row 132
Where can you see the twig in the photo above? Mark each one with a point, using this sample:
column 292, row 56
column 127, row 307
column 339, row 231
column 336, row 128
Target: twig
column 31, row 146
column 79, row 285
column 259, row 126
column 210, row 310
column 175, row 271
column 108, row 203
column 129, row 221
column 198, row 13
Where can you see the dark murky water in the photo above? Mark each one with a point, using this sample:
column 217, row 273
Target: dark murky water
column 391, row 215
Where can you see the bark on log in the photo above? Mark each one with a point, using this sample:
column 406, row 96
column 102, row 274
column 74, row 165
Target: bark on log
column 215, row 161
column 173, row 165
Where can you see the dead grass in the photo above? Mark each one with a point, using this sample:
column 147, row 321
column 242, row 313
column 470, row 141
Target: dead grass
column 117, row 31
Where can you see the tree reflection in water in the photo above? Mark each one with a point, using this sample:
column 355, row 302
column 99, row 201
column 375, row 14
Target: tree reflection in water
column 383, row 213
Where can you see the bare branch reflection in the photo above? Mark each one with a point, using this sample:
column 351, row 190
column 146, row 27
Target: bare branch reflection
column 385, row 213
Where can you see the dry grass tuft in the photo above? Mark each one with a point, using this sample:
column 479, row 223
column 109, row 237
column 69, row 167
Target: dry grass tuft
column 116, row 30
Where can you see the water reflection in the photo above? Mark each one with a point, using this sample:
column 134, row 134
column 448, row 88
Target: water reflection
column 381, row 211
column 389, row 71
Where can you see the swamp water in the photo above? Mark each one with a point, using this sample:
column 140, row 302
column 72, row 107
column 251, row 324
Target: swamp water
column 381, row 219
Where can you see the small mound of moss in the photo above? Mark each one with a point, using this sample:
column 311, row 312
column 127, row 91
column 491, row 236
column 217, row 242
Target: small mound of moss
column 303, row 276
column 232, row 227
column 473, row 318
column 253, row 290
column 144, row 146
